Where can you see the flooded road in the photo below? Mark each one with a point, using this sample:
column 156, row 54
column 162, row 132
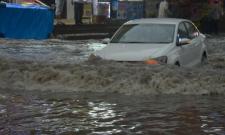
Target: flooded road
column 103, row 114
column 46, row 51
column 48, row 88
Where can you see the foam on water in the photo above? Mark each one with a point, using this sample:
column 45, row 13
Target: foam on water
column 108, row 76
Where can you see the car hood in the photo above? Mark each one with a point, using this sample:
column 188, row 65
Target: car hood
column 133, row 52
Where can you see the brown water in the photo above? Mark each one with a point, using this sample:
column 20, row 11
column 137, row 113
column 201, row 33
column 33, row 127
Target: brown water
column 105, row 114
column 48, row 88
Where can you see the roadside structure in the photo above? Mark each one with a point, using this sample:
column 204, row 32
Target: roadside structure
column 100, row 11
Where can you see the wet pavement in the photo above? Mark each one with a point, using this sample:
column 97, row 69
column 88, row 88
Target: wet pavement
column 49, row 88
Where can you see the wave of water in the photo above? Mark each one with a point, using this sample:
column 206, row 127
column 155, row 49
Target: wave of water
column 51, row 66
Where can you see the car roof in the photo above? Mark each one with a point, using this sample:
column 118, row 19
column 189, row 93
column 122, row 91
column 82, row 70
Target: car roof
column 157, row 21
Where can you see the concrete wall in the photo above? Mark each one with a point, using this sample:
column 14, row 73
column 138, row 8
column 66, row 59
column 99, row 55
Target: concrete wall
column 70, row 10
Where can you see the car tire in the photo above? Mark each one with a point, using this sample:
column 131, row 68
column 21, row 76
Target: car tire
column 204, row 59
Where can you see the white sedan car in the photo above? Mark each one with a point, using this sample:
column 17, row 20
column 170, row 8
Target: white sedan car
column 157, row 41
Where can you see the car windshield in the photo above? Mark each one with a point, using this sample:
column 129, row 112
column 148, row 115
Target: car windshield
column 145, row 33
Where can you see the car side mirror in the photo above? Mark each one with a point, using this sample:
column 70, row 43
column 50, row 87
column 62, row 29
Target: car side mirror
column 183, row 41
column 194, row 35
column 106, row 40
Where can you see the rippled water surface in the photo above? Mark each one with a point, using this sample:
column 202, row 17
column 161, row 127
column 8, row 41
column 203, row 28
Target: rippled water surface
column 50, row 51
column 49, row 88
column 106, row 114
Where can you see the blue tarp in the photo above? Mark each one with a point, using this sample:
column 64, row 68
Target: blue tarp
column 26, row 22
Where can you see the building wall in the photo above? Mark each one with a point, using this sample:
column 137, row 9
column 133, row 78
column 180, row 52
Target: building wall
column 151, row 8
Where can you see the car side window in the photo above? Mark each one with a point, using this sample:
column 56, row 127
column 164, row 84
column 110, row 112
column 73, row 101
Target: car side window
column 182, row 31
column 192, row 31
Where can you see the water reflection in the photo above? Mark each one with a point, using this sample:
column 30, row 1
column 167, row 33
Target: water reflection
column 93, row 114
column 101, row 110
column 213, row 123
column 103, row 116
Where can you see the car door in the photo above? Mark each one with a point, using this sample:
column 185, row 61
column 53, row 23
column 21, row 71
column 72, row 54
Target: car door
column 196, row 42
column 184, row 50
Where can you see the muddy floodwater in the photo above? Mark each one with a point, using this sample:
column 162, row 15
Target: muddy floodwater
column 49, row 88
